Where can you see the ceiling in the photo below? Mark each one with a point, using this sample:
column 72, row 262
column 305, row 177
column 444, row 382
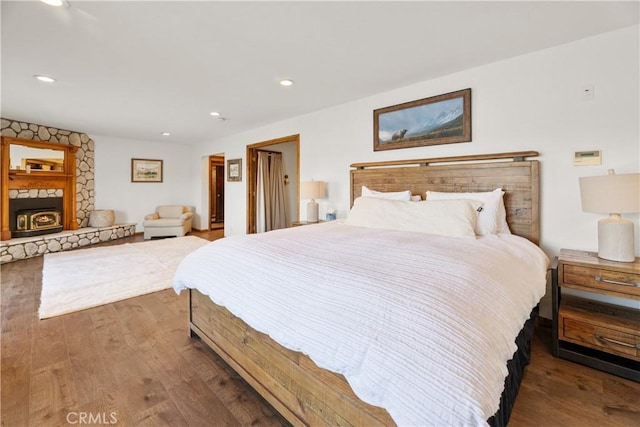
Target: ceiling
column 136, row 69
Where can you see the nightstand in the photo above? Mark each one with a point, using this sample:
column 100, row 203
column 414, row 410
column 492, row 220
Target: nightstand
column 299, row 223
column 601, row 335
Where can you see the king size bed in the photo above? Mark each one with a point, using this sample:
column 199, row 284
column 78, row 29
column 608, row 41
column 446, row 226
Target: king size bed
column 405, row 313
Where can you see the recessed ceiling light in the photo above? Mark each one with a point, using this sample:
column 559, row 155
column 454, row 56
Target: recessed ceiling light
column 165, row 133
column 286, row 82
column 214, row 113
column 44, row 78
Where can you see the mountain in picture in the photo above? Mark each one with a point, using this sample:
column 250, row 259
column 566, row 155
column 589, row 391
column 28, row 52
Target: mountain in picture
column 446, row 119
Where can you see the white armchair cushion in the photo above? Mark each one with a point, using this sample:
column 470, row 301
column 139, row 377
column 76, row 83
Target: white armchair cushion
column 164, row 222
column 170, row 211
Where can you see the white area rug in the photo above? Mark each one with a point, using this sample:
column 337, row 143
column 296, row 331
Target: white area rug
column 80, row 279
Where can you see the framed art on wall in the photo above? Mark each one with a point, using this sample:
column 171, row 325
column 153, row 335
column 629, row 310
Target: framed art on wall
column 146, row 170
column 234, row 170
column 441, row 119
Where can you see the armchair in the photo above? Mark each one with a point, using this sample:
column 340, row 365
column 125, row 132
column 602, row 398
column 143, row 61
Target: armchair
column 173, row 220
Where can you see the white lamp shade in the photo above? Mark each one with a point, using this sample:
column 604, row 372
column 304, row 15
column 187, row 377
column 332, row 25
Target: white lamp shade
column 313, row 190
column 615, row 195
column 611, row 193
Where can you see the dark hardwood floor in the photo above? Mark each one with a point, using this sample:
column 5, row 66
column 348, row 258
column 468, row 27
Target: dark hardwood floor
column 132, row 363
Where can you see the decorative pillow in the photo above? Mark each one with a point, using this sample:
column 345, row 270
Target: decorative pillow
column 492, row 218
column 396, row 195
column 416, row 198
column 454, row 218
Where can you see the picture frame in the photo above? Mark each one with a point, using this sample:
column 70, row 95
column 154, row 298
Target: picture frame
column 146, row 170
column 234, row 170
column 441, row 119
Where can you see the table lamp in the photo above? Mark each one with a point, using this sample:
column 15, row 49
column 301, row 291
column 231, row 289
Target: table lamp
column 613, row 194
column 312, row 190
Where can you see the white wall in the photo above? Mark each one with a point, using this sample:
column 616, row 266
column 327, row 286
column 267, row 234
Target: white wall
column 130, row 200
column 531, row 102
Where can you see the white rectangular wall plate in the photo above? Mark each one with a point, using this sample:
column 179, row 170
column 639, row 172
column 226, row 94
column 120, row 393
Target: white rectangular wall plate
column 587, row 158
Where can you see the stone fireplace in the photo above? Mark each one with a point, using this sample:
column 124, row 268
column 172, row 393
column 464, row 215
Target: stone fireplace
column 38, row 188
column 84, row 197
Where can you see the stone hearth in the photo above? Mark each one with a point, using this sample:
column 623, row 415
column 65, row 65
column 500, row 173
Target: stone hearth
column 29, row 247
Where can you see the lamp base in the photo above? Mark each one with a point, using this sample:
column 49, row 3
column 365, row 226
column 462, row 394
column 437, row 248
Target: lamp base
column 615, row 239
column 312, row 211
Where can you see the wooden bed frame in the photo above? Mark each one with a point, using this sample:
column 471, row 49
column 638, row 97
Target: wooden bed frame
column 307, row 395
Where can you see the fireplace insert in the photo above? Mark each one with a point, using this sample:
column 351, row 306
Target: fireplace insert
column 35, row 216
column 34, row 222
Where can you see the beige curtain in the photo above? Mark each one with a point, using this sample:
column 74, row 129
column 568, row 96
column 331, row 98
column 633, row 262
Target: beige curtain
column 271, row 211
column 263, row 180
column 278, row 218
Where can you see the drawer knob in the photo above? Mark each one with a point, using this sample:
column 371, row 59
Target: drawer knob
column 609, row 340
column 615, row 282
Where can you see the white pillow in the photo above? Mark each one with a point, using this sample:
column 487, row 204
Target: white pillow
column 492, row 218
column 396, row 195
column 454, row 218
column 416, row 198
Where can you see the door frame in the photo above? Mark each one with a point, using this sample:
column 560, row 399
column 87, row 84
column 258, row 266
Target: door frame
column 217, row 159
column 252, row 175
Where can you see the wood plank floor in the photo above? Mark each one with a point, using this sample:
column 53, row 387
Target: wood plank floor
column 131, row 363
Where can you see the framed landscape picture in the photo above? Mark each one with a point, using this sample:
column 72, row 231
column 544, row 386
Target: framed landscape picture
column 442, row 119
column 234, row 170
column 146, row 170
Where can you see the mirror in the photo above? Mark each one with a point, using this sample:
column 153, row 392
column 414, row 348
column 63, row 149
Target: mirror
column 27, row 158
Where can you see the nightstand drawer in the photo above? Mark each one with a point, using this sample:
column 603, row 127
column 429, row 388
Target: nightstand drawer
column 625, row 284
column 603, row 335
column 604, row 339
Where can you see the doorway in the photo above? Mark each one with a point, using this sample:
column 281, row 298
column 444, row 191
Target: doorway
column 216, row 192
column 289, row 146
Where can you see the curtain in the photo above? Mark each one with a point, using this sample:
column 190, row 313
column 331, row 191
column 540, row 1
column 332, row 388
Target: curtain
column 278, row 217
column 261, row 191
column 271, row 211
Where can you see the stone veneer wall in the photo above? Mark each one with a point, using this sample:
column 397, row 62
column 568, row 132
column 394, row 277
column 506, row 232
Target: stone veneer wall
column 35, row 193
column 85, row 184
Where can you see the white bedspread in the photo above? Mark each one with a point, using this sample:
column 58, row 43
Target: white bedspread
column 420, row 325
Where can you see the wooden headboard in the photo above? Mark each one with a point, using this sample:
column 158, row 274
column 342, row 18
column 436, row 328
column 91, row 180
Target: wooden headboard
column 518, row 177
